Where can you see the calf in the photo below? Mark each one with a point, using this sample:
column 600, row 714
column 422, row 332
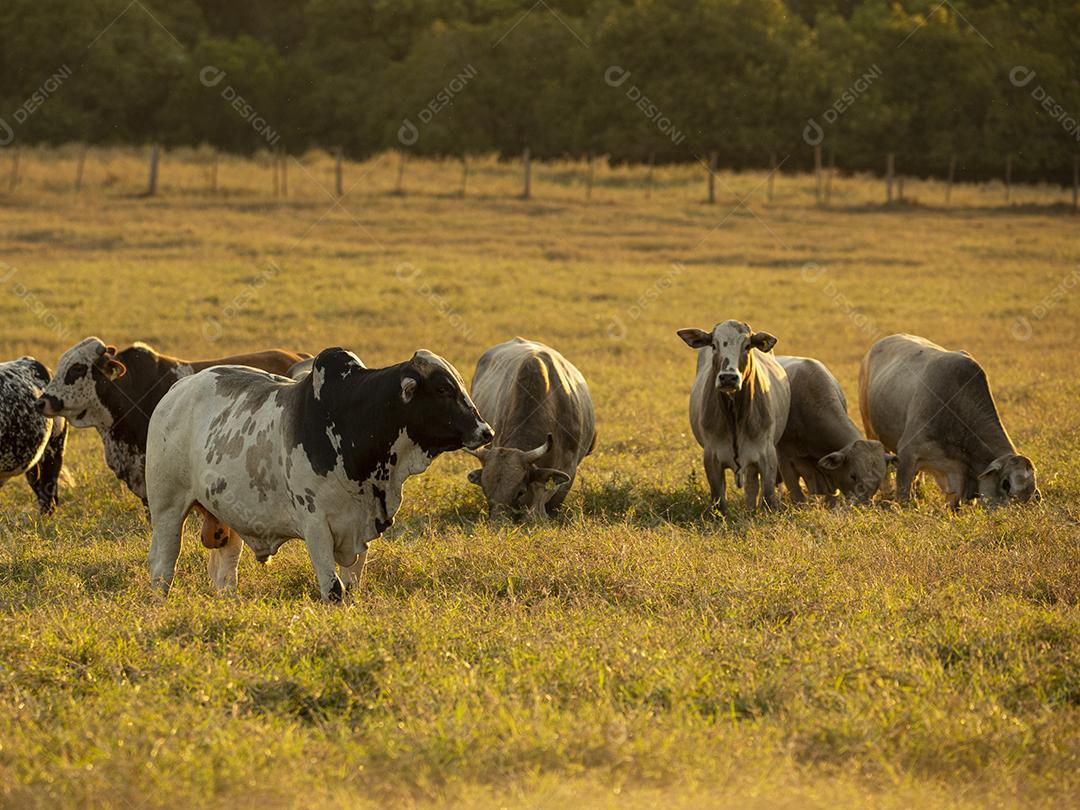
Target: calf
column 323, row 458
column 934, row 408
column 116, row 393
column 31, row 444
column 820, row 444
column 544, row 425
column 738, row 408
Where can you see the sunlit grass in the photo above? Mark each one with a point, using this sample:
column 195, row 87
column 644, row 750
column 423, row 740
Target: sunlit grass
column 638, row 652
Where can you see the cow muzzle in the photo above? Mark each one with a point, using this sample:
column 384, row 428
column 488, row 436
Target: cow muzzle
column 728, row 382
column 48, row 405
column 481, row 436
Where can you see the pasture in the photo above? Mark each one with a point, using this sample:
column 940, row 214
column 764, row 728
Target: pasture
column 638, row 651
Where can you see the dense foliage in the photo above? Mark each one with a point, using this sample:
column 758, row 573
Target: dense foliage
column 974, row 80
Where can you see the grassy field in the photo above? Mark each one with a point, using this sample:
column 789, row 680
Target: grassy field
column 638, row 652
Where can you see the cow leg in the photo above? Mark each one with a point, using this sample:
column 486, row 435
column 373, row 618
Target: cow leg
column 223, row 562
column 168, row 524
column 751, row 485
column 320, row 546
column 907, row 467
column 790, row 477
column 714, row 471
column 44, row 478
column 768, row 479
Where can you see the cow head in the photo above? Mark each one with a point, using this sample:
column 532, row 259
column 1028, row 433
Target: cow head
column 436, row 411
column 72, row 392
column 858, row 469
column 514, row 481
column 1009, row 478
column 731, row 342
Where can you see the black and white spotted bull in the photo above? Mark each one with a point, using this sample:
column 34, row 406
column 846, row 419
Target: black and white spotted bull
column 542, row 412
column 738, row 409
column 95, row 386
column 933, row 407
column 322, row 458
column 821, row 445
column 31, row 444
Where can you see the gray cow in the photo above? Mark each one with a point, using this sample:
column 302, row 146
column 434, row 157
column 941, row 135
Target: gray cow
column 934, row 408
column 820, row 444
column 540, row 407
column 738, row 408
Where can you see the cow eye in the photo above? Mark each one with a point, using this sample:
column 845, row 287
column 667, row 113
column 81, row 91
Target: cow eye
column 1006, row 485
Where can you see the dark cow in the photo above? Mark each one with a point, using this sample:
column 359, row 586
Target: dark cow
column 116, row 393
column 820, row 444
column 30, row 444
column 934, row 408
column 738, row 409
column 540, row 407
column 323, row 458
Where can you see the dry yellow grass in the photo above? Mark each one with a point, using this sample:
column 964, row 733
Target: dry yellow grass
column 637, row 652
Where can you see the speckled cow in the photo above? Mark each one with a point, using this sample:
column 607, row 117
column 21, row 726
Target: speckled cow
column 31, row 444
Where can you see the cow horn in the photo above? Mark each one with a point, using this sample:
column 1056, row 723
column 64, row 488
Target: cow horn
column 479, row 453
column 537, row 452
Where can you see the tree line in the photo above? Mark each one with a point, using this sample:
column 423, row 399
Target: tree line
column 967, row 83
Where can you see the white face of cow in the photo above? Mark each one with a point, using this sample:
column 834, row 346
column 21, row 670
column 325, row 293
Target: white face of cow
column 1008, row 479
column 72, row 392
column 858, row 469
column 731, row 342
column 514, row 482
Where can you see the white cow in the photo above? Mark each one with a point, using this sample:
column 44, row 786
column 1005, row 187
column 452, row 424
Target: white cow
column 738, row 408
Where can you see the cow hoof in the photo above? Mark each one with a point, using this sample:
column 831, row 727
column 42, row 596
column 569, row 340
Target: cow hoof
column 262, row 559
column 337, row 592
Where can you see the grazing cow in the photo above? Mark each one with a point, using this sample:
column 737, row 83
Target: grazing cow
column 30, row 444
column 544, row 425
column 738, row 408
column 116, row 393
column 323, row 458
column 820, row 444
column 933, row 407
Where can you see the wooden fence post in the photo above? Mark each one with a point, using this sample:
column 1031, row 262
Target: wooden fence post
column 900, row 188
column 1076, row 182
column 772, row 175
column 155, row 157
column 649, row 176
column 526, row 168
column 829, row 176
column 464, row 173
column 712, row 177
column 13, row 178
column 890, row 170
column 80, row 163
column 338, row 184
column 1008, row 178
column 399, row 188
column 817, row 175
column 952, row 176
column 589, row 178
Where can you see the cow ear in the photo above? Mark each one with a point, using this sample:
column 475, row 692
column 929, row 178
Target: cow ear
column 993, row 469
column 474, row 476
column 115, row 369
column 551, row 479
column 408, row 388
column 762, row 341
column 831, row 461
column 695, row 338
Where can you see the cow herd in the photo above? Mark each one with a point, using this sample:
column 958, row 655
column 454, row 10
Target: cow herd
column 278, row 445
